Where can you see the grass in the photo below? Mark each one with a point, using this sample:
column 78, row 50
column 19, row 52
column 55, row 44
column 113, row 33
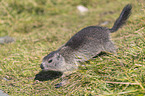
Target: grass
column 42, row 26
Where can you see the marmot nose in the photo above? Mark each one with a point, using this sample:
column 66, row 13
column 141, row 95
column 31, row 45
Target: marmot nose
column 41, row 66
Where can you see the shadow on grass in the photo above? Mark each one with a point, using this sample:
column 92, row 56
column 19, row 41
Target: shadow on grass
column 100, row 54
column 49, row 75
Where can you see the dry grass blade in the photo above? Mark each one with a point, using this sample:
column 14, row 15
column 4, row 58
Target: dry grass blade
column 122, row 83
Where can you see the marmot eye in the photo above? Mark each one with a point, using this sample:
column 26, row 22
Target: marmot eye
column 50, row 61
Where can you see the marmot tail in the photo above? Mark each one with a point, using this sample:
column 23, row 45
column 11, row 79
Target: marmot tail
column 122, row 18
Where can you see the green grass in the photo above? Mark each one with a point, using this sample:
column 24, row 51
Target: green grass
column 42, row 26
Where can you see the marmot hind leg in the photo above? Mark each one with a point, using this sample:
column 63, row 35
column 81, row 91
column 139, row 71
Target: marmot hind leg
column 109, row 47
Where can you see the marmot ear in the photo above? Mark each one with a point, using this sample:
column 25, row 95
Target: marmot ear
column 57, row 55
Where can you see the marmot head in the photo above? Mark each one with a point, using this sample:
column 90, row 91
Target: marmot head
column 53, row 62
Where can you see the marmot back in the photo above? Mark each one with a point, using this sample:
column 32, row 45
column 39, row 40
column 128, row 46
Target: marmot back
column 86, row 44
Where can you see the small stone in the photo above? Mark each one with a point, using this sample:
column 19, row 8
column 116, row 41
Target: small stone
column 6, row 39
column 3, row 94
column 82, row 9
column 104, row 23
